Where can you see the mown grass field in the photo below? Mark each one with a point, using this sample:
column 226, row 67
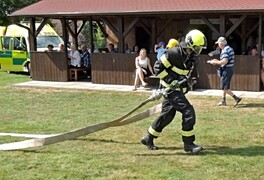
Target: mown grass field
column 233, row 137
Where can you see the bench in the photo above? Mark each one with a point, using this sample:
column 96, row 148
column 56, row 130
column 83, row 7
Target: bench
column 152, row 80
column 73, row 72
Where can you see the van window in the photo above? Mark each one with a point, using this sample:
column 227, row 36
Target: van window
column 44, row 41
column 6, row 43
column 16, row 43
column 20, row 43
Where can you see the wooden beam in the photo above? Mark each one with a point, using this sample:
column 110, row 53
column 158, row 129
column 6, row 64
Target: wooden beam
column 42, row 24
column 69, row 29
column 154, row 32
column 222, row 25
column 241, row 19
column 32, row 37
column 80, row 29
column 145, row 27
column 65, row 36
column 75, row 33
column 243, row 37
column 259, row 36
column 91, row 33
column 164, row 26
column 252, row 29
column 104, row 32
column 21, row 25
column 110, row 25
column 239, row 33
column 130, row 26
column 120, row 24
column 209, row 24
column 102, row 29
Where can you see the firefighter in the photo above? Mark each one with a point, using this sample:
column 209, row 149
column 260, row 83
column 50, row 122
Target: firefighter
column 176, row 66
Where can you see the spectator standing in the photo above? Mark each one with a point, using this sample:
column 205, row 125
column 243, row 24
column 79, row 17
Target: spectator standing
column 227, row 59
column 159, row 49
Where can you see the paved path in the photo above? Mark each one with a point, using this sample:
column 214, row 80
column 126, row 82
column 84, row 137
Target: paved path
column 79, row 85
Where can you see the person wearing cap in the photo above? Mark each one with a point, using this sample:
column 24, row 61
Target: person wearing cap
column 159, row 49
column 226, row 63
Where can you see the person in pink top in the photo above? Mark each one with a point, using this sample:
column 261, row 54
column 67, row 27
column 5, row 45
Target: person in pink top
column 143, row 69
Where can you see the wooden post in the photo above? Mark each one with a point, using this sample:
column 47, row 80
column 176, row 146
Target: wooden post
column 75, row 34
column 32, row 37
column 120, row 35
column 222, row 25
column 65, row 35
column 91, row 33
column 154, row 33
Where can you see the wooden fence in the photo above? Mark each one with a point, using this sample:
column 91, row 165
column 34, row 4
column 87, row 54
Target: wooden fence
column 49, row 66
column 119, row 69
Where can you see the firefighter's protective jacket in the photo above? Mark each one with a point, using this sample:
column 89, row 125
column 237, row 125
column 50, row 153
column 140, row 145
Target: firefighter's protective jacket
column 175, row 64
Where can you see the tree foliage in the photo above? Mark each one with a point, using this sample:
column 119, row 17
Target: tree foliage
column 9, row 6
column 98, row 36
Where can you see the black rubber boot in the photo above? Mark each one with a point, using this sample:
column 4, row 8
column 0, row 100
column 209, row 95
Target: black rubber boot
column 148, row 141
column 193, row 148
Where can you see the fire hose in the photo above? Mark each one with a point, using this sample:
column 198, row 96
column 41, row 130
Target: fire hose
column 51, row 139
column 43, row 140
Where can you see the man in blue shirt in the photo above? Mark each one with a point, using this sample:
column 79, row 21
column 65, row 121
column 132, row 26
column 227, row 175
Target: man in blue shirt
column 226, row 63
column 86, row 62
column 159, row 49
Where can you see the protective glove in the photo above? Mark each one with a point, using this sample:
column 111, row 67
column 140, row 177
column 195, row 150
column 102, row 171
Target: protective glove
column 156, row 95
column 174, row 84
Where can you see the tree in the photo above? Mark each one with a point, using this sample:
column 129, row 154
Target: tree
column 9, row 6
column 98, row 36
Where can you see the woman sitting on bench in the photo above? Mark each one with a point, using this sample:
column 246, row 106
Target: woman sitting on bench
column 143, row 69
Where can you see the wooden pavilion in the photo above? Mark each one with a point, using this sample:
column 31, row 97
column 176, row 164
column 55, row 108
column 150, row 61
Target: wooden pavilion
column 145, row 23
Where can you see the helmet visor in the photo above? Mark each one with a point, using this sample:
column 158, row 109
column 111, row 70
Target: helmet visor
column 197, row 49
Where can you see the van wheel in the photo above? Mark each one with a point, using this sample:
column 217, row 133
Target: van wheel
column 29, row 69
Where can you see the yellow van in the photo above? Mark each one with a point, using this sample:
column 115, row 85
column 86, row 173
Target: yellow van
column 14, row 46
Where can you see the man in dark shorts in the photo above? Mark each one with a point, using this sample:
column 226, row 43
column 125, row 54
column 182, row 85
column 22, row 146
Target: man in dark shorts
column 174, row 68
column 226, row 64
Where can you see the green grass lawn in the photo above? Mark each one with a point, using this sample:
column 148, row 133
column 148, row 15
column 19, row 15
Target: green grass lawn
column 233, row 137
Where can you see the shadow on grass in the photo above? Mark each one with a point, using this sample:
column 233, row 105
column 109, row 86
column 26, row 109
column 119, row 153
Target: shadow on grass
column 105, row 141
column 173, row 150
column 220, row 150
column 225, row 151
column 240, row 151
column 249, row 105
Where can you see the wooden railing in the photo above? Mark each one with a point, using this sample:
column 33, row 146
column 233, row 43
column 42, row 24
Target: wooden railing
column 246, row 74
column 49, row 66
column 119, row 69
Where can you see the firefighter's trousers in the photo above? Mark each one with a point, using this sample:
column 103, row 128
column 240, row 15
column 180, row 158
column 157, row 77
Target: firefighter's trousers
column 175, row 101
